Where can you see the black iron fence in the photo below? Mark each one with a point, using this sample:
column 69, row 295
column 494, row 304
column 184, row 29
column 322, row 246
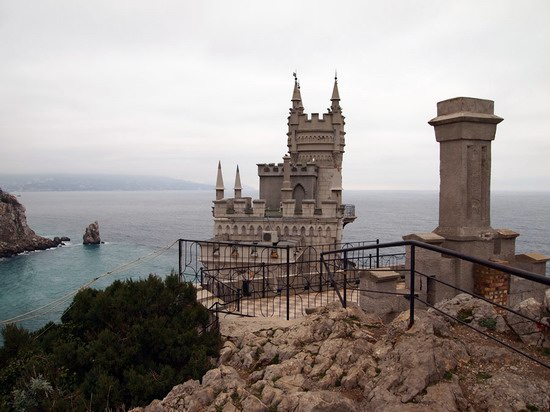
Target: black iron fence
column 427, row 281
column 252, row 279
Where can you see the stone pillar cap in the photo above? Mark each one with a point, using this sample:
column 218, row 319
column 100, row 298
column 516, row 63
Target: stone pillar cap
column 507, row 233
column 430, row 237
column 532, row 257
column 465, row 109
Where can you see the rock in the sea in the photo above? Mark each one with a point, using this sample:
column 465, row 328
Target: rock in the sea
column 15, row 235
column 91, row 235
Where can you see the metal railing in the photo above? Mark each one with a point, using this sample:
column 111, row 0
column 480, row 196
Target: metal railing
column 250, row 279
column 414, row 275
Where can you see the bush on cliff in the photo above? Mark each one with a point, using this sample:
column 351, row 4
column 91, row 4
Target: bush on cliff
column 117, row 348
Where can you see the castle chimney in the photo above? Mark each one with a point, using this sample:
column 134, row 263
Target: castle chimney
column 464, row 128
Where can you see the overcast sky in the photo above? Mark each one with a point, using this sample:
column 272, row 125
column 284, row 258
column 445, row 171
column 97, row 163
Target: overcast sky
column 170, row 87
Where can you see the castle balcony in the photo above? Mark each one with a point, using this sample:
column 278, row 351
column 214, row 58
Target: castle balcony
column 348, row 213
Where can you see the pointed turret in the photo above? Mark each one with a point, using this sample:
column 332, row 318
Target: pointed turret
column 335, row 106
column 296, row 97
column 238, row 188
column 219, row 183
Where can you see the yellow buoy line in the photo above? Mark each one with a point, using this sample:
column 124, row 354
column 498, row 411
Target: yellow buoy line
column 44, row 310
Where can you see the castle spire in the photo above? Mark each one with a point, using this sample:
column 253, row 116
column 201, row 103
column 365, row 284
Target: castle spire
column 296, row 96
column 335, row 95
column 238, row 187
column 219, row 183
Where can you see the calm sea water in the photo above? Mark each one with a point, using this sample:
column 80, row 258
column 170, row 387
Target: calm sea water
column 137, row 224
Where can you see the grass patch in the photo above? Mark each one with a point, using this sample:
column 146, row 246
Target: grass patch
column 448, row 375
column 274, row 360
column 483, row 376
column 489, row 323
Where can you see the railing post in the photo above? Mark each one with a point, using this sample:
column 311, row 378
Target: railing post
column 287, row 282
column 322, row 260
column 238, row 300
column 370, row 260
column 377, row 254
column 345, row 278
column 263, row 279
column 412, row 287
column 202, row 277
column 180, row 255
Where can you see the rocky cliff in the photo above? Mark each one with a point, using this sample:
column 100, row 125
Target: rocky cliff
column 345, row 360
column 15, row 235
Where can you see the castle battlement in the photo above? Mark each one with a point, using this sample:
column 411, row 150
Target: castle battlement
column 300, row 169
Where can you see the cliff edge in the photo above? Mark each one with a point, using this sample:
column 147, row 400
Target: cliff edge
column 15, row 235
column 340, row 359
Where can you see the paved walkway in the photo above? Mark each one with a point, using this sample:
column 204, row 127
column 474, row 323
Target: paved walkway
column 276, row 306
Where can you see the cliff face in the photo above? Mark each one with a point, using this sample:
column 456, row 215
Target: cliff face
column 15, row 235
column 345, row 360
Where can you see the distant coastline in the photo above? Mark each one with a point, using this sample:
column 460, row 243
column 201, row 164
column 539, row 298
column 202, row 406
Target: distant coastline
column 93, row 182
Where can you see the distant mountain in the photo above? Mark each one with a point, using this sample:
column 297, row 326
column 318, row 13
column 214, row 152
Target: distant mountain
column 66, row 182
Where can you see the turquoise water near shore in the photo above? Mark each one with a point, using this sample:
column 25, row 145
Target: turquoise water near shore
column 137, row 224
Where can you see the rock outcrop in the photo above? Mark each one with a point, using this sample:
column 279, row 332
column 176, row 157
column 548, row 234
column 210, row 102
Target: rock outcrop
column 532, row 333
column 91, row 235
column 15, row 235
column 340, row 359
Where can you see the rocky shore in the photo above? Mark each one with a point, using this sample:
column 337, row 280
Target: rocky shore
column 340, row 359
column 15, row 235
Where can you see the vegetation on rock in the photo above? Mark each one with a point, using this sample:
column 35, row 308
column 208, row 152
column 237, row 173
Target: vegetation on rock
column 116, row 348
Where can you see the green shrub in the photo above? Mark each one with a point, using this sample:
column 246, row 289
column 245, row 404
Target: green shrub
column 116, row 348
column 489, row 323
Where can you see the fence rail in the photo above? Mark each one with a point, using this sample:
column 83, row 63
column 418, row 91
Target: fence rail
column 253, row 279
column 414, row 298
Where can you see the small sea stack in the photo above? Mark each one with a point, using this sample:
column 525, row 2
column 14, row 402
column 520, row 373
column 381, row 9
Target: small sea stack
column 91, row 235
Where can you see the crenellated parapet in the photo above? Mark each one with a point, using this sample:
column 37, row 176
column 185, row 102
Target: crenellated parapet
column 296, row 170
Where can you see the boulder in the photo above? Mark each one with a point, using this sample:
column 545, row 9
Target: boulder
column 535, row 333
column 91, row 234
column 476, row 312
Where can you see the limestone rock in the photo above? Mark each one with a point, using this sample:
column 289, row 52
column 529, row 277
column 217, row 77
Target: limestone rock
column 509, row 392
column 478, row 313
column 91, row 235
column 340, row 359
column 15, row 235
column 533, row 333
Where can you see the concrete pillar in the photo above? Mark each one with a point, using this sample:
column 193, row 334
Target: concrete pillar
column 464, row 128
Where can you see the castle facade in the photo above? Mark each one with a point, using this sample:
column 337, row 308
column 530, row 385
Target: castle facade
column 300, row 199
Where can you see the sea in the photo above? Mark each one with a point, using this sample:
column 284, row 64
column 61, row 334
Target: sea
column 140, row 230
